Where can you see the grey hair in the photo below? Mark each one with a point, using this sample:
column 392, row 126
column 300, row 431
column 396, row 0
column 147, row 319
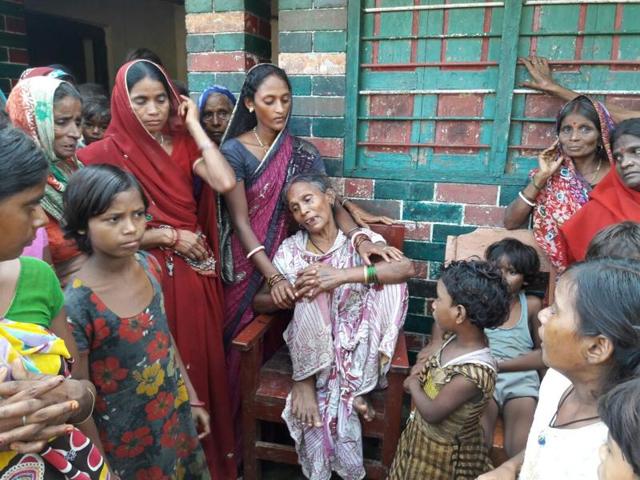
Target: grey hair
column 317, row 179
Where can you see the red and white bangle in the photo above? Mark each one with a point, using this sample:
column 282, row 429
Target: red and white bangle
column 197, row 403
column 356, row 235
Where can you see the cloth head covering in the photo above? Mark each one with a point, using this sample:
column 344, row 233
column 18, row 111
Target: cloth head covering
column 215, row 89
column 611, row 202
column 566, row 192
column 30, row 107
column 44, row 72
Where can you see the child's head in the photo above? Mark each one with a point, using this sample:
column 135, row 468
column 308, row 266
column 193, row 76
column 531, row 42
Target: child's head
column 471, row 290
column 620, row 411
column 621, row 240
column 518, row 262
column 96, row 115
column 104, row 210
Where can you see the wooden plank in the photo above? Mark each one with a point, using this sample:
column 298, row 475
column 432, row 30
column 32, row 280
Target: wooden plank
column 504, row 90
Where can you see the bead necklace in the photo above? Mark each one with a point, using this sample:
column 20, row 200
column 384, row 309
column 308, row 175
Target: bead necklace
column 542, row 439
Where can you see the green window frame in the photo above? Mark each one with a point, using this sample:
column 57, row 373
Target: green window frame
column 409, row 66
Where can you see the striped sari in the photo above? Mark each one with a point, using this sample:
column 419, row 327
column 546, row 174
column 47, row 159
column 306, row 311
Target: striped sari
column 346, row 339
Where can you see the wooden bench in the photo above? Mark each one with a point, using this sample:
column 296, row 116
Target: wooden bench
column 265, row 378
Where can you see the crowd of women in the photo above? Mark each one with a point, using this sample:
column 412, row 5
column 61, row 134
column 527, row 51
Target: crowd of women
column 170, row 224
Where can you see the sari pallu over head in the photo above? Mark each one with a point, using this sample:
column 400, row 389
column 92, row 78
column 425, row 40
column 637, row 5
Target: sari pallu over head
column 128, row 145
column 30, row 108
column 268, row 215
column 611, row 202
column 566, row 192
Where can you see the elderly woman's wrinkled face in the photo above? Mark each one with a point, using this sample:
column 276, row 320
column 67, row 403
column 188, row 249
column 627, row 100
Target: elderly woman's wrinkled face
column 215, row 116
column 578, row 136
column 312, row 209
column 626, row 153
column 67, row 119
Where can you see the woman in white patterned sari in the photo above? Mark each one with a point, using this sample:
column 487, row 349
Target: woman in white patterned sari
column 346, row 320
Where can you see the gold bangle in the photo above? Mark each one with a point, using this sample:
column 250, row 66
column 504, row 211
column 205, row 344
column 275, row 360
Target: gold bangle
column 93, row 404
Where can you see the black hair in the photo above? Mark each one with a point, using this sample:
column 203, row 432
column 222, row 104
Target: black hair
column 630, row 126
column 64, row 90
column 96, row 108
column 619, row 409
column 255, row 77
column 480, row 288
column 23, row 164
column 143, row 53
column 621, row 240
column 141, row 70
column 317, row 179
column 258, row 74
column 90, row 90
column 90, row 193
column 523, row 258
column 606, row 293
column 582, row 105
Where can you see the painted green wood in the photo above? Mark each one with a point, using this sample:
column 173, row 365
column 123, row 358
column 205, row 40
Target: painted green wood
column 352, row 71
column 504, row 90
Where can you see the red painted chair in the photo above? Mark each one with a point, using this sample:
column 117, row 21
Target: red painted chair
column 266, row 381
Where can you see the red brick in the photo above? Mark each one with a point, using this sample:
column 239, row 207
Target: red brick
column 538, row 134
column 483, row 216
column 460, row 105
column 328, row 147
column 251, row 23
column 420, row 231
column 542, row 106
column 457, row 133
column 422, row 269
column 18, row 55
column 358, row 188
column 462, row 193
column 390, row 132
column 217, row 62
column 632, row 103
column 15, row 25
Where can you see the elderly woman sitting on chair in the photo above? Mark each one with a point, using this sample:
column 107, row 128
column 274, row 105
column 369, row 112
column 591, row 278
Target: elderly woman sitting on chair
column 346, row 319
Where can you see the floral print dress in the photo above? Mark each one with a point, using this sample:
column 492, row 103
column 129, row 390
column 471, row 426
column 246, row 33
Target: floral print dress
column 142, row 408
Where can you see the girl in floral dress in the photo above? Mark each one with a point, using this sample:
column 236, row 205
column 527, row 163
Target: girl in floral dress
column 146, row 406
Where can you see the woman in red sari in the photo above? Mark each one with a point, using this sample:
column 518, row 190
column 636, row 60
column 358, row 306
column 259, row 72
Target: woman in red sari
column 157, row 136
column 616, row 199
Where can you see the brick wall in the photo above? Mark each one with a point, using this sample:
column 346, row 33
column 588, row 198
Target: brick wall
column 13, row 43
column 224, row 39
column 312, row 44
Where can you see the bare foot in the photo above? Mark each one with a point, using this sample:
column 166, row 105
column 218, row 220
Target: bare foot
column 304, row 404
column 364, row 408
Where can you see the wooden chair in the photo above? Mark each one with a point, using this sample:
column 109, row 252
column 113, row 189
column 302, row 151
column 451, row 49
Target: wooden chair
column 474, row 244
column 265, row 379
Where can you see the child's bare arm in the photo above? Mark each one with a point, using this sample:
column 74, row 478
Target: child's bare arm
column 528, row 361
column 62, row 329
column 458, row 391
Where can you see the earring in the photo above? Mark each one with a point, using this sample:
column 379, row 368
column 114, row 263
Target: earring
column 250, row 109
